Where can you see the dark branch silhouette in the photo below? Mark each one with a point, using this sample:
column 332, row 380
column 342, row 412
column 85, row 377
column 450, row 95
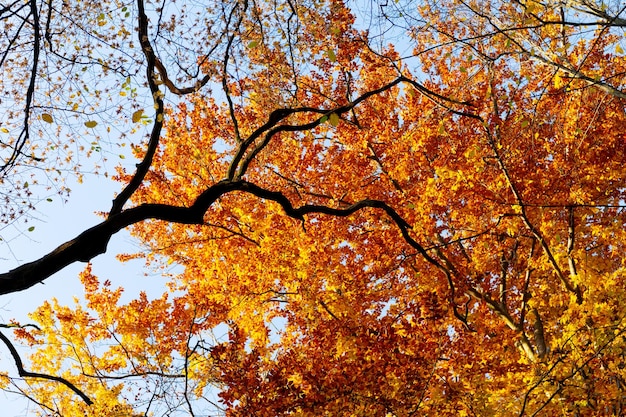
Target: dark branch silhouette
column 26, row 374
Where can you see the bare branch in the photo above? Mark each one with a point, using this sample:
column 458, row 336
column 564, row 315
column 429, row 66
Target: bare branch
column 157, row 97
column 30, row 91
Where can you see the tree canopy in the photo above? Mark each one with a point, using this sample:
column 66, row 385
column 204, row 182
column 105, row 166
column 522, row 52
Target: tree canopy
column 373, row 208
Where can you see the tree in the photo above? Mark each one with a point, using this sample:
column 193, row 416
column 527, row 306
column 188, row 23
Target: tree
column 386, row 209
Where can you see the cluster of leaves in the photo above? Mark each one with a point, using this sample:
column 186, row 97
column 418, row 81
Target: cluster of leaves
column 421, row 212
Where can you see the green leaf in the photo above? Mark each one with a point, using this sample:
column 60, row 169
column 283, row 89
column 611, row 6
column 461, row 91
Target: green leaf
column 331, row 55
column 91, row 124
column 30, row 229
column 253, row 44
column 323, row 119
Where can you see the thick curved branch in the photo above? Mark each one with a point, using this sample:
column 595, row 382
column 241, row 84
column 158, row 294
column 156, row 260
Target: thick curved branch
column 26, row 374
column 157, row 96
column 298, row 213
column 243, row 158
column 93, row 242
column 270, row 128
column 227, row 57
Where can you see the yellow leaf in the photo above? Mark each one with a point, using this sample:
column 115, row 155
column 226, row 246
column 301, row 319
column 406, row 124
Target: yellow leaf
column 333, row 119
column 558, row 81
column 137, row 115
column 4, row 130
column 533, row 7
column 619, row 49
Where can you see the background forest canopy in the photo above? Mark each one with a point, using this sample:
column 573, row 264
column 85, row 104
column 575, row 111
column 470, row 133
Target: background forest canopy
column 386, row 208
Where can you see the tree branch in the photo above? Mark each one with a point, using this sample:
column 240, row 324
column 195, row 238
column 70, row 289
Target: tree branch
column 298, row 213
column 93, row 242
column 157, row 97
column 30, row 91
column 26, row 374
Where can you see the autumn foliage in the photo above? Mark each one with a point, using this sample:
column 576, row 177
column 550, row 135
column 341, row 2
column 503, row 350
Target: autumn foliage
column 376, row 210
